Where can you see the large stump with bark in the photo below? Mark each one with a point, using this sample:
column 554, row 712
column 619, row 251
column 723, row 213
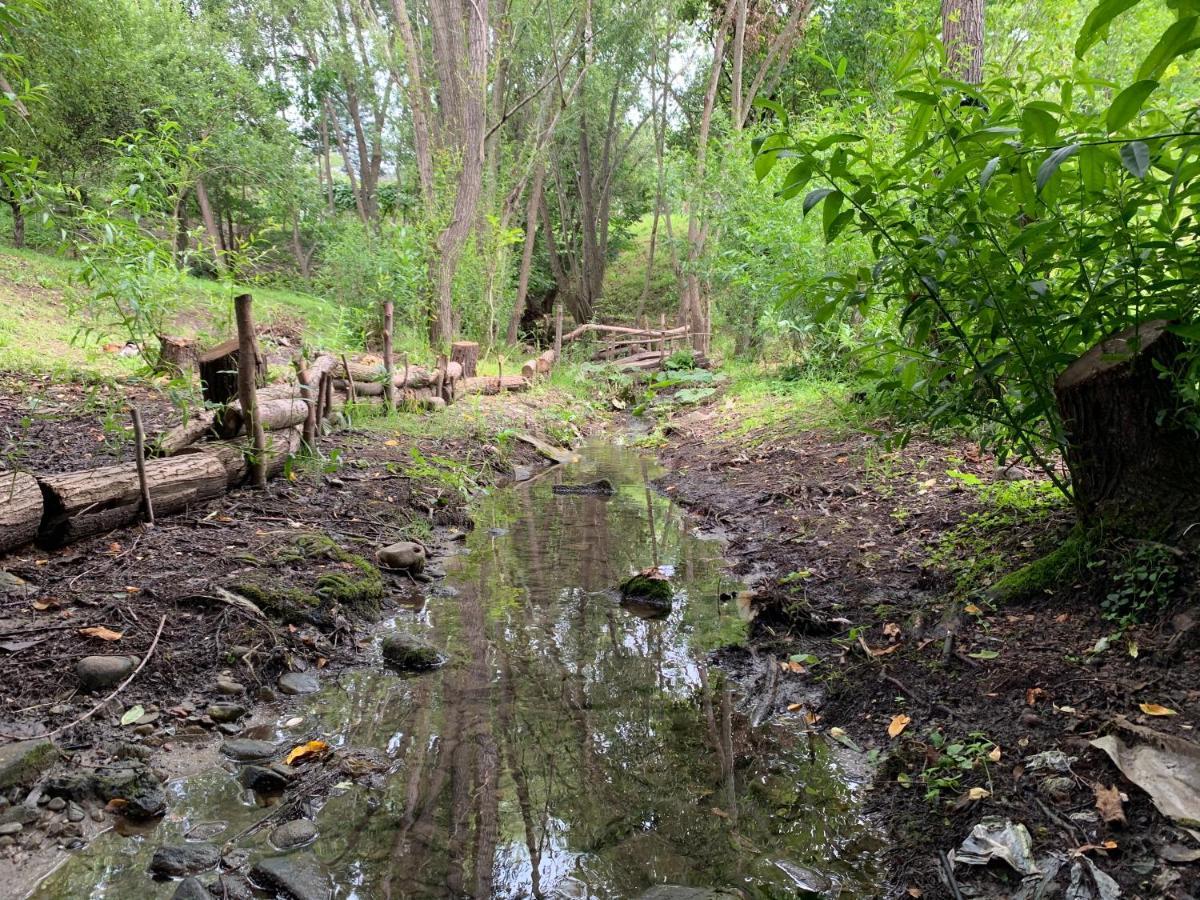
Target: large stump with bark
column 218, row 372
column 466, row 354
column 20, row 509
column 1135, row 465
column 88, row 502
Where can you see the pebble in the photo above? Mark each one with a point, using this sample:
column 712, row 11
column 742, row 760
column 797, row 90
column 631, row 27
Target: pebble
column 246, row 749
column 12, row 828
column 97, row 815
column 184, row 859
column 230, row 728
column 263, row 780
column 230, row 688
column 225, row 712
column 191, row 888
column 97, row 673
column 299, row 683
column 74, row 813
column 6, row 840
column 293, row 834
column 144, row 730
column 56, row 804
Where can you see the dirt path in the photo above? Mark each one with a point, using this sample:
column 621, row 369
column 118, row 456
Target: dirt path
column 854, row 551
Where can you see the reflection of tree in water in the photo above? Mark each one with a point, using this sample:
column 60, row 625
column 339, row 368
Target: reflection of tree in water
column 569, row 739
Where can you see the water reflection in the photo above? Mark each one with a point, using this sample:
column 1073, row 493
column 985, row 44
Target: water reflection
column 570, row 748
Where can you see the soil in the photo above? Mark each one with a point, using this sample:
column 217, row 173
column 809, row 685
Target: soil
column 306, row 543
column 839, row 537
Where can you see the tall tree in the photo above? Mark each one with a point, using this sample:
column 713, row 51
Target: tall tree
column 962, row 36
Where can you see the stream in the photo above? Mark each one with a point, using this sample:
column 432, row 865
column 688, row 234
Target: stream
column 569, row 748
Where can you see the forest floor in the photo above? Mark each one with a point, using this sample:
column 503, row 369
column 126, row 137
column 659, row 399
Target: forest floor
column 861, row 558
column 405, row 477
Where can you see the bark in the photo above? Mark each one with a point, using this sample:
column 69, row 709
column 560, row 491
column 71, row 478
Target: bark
column 492, row 384
column 418, row 101
column 83, row 503
column 233, row 455
column 218, row 372
column 176, row 354
column 18, row 222
column 210, row 223
column 542, row 365
column 20, row 509
column 389, row 369
column 247, row 388
column 176, row 439
column 1132, row 462
column 466, row 354
column 962, row 36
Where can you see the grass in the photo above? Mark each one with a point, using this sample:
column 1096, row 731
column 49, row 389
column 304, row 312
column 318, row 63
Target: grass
column 625, row 277
column 38, row 334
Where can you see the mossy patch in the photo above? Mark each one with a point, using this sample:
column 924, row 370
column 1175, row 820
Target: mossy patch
column 290, row 605
column 1062, row 564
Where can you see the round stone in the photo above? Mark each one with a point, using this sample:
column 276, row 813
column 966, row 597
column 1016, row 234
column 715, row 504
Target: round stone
column 293, row 834
column 98, row 673
column 299, row 683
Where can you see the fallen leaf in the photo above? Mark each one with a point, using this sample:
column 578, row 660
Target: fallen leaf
column 1108, row 804
column 311, row 748
column 972, row 610
column 978, row 793
column 130, row 589
column 717, row 811
column 793, row 707
column 99, row 631
column 892, row 630
column 42, row 562
column 915, row 892
column 1033, row 695
column 45, row 603
column 322, row 662
column 1153, row 709
column 1087, row 848
column 114, row 547
column 1062, row 618
column 795, row 668
column 133, row 714
column 984, row 654
column 391, row 443
column 884, row 651
column 898, row 724
column 811, row 718
column 994, row 756
column 116, row 803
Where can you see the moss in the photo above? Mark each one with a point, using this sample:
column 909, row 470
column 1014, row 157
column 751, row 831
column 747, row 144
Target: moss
column 288, row 604
column 359, row 589
column 1065, row 562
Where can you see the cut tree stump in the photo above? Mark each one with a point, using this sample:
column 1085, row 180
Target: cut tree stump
column 466, row 354
column 20, row 509
column 218, row 372
column 1135, row 468
column 176, row 354
column 83, row 503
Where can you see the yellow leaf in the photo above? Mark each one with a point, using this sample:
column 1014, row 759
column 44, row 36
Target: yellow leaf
column 994, row 756
column 792, row 707
column 312, row 748
column 978, row 793
column 99, row 631
column 795, row 667
column 915, row 892
column 898, row 724
column 133, row 590
column 1153, row 709
column 391, row 443
column 972, row 610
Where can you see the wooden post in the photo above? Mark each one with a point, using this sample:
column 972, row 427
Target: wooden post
column 139, row 438
column 499, row 374
column 327, row 395
column 389, row 369
column 248, row 389
column 349, row 380
column 309, row 394
column 662, row 340
column 405, row 382
column 558, row 331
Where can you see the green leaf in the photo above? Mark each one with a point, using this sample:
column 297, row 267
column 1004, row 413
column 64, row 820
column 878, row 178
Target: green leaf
column 1190, row 331
column 1129, row 103
column 1096, row 25
column 842, row 137
column 133, row 714
column 815, row 197
column 1135, row 156
column 795, row 180
column 1173, row 42
column 1051, row 165
column 777, row 108
column 988, row 171
column 1039, row 123
column 833, row 205
column 768, row 153
column 922, row 97
column 978, row 654
column 1091, row 167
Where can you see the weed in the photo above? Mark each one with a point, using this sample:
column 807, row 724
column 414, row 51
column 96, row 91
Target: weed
column 1142, row 580
column 947, row 763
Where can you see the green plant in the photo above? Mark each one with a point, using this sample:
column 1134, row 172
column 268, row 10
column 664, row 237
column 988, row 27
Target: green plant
column 1142, row 577
column 947, row 763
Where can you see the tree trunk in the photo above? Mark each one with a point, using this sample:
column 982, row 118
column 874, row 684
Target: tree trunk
column 83, row 503
column 389, row 369
column 466, row 354
column 18, row 223
column 20, row 509
column 531, row 226
column 232, row 455
column 210, row 223
column 962, row 36
column 1133, row 465
column 218, row 372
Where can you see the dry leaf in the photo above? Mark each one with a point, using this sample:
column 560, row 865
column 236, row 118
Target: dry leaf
column 114, row 547
column 811, row 718
column 133, row 590
column 978, row 793
column 898, row 724
column 1087, row 848
column 793, row 707
column 795, row 667
column 99, row 631
column 311, row 748
column 1033, row 695
column 322, row 662
column 45, row 603
column 1062, row 618
column 1108, row 804
column 717, row 811
column 884, row 651
column 391, row 443
column 915, row 892
column 994, row 756
column 972, row 610
column 1153, row 709
column 892, row 630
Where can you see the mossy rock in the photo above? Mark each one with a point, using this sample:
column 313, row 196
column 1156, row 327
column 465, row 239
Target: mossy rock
column 359, row 589
column 649, row 593
column 1060, row 566
column 410, row 654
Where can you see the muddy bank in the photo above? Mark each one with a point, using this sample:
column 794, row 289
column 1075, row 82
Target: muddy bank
column 862, row 559
column 77, row 622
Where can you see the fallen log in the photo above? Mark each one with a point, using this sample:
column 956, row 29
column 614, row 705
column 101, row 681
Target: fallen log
column 20, row 509
column 275, row 414
column 175, row 439
column 466, row 354
column 416, row 376
column 491, row 384
column 233, row 454
column 81, row 503
column 620, row 329
column 538, row 366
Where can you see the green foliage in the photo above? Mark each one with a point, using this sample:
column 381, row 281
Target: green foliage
column 1143, row 578
column 949, row 762
column 1023, row 221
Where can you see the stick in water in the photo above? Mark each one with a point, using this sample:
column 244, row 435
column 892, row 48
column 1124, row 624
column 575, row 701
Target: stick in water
column 139, row 438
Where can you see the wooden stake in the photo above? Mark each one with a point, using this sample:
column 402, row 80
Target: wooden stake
column 389, row 369
column 247, row 388
column 349, row 380
column 139, row 437
column 662, row 344
column 327, row 400
column 405, row 382
column 310, row 397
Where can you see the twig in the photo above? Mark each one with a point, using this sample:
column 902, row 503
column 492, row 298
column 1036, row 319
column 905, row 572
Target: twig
column 139, row 438
column 948, row 873
column 91, row 712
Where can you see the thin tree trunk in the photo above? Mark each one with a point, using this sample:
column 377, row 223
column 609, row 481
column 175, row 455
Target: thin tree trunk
column 210, row 223
column 531, row 227
column 18, row 223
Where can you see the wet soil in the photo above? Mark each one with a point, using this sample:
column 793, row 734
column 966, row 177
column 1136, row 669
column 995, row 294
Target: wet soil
column 848, row 545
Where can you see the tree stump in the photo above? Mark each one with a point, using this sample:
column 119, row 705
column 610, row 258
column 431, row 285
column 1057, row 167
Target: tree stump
column 176, row 354
column 20, row 509
column 218, row 372
column 466, row 354
column 1135, row 467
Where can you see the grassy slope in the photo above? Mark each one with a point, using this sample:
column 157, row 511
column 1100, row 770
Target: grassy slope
column 625, row 277
column 38, row 333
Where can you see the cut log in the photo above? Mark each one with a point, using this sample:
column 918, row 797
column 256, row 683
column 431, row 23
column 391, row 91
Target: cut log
column 416, row 377
column 218, row 372
column 176, row 354
column 466, row 354
column 542, row 365
column 233, row 454
column 175, row 439
column 619, row 329
column 490, row 384
column 88, row 502
column 20, row 509
column 1133, row 461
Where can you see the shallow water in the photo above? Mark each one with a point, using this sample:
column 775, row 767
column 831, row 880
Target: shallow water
column 569, row 748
